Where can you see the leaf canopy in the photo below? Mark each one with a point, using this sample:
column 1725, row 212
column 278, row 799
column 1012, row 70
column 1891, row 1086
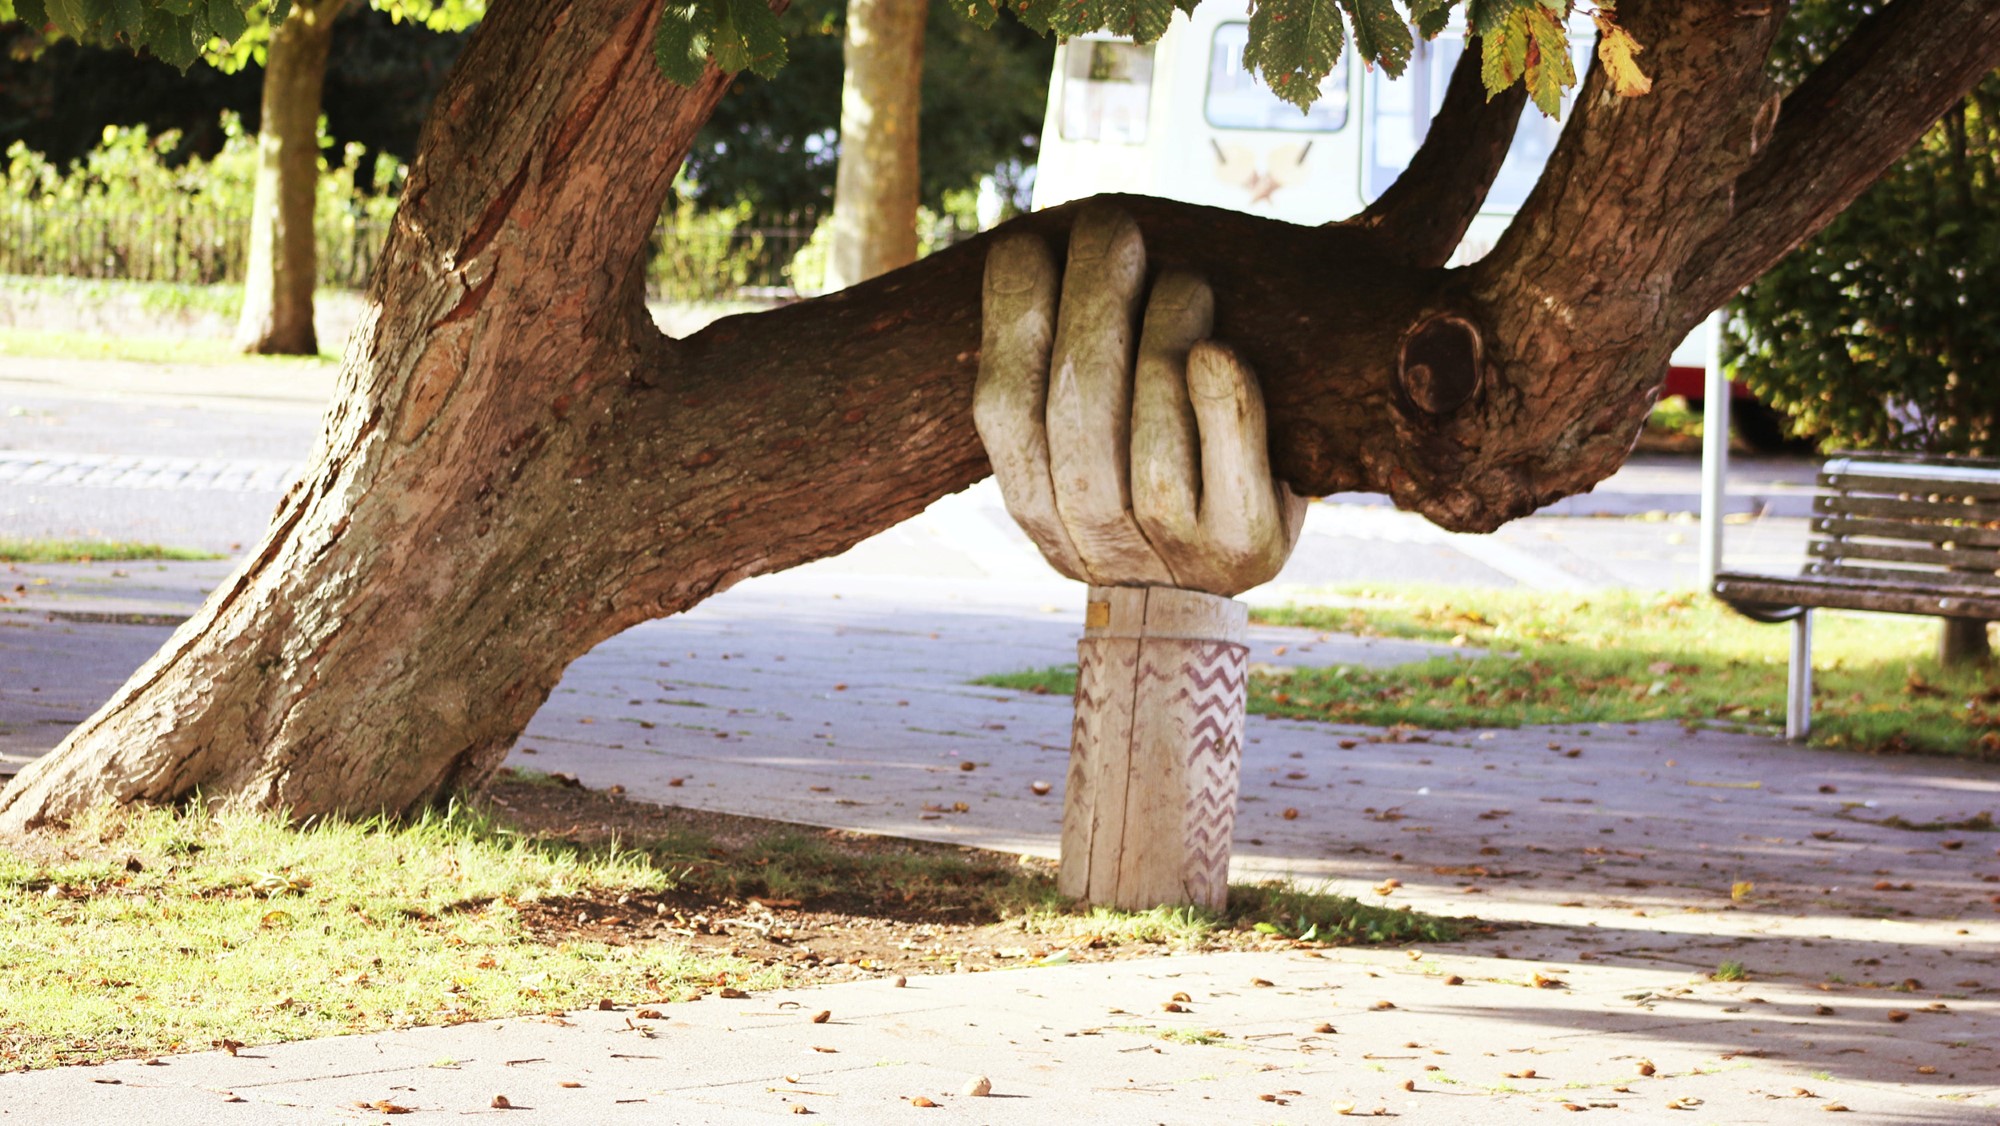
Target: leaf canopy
column 1294, row 44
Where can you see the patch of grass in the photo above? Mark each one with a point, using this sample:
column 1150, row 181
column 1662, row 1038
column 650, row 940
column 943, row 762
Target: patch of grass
column 1619, row 657
column 149, row 931
column 140, row 349
column 165, row 298
column 155, row 931
column 93, row 551
column 1730, row 971
column 1305, row 913
column 1280, row 908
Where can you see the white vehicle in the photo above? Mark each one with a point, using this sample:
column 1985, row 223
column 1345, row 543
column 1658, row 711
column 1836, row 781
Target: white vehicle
column 1183, row 119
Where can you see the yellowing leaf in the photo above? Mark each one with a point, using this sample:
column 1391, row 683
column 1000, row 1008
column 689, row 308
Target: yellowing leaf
column 1616, row 49
column 1550, row 68
column 1741, row 889
column 1503, row 54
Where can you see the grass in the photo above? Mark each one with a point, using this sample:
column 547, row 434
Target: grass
column 93, row 551
column 152, row 931
column 161, row 298
column 140, row 349
column 1620, row 657
column 1730, row 971
column 168, row 931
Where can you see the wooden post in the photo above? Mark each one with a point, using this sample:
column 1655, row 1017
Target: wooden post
column 1156, row 748
column 1962, row 641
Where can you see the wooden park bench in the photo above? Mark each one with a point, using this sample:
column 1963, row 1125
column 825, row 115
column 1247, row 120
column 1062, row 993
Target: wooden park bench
column 1898, row 534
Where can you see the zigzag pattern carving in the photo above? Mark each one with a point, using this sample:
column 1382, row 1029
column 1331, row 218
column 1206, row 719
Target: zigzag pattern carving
column 1214, row 676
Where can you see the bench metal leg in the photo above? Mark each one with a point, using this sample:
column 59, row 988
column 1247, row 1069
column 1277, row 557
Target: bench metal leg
column 1798, row 684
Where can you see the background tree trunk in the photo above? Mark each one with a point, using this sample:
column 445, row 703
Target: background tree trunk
column 876, row 187
column 519, row 465
column 277, row 317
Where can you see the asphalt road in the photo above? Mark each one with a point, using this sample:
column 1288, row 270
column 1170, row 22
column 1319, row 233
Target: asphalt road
column 198, row 456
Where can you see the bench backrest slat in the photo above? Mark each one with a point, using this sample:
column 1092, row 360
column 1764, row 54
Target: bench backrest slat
column 1959, row 533
column 1854, row 475
column 1899, row 508
column 1950, row 559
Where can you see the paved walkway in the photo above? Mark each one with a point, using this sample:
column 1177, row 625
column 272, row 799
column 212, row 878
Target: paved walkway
column 837, row 694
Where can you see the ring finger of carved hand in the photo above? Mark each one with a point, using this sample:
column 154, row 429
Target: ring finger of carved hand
column 1090, row 401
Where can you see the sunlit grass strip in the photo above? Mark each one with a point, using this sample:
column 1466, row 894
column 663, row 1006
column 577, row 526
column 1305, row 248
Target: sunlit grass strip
column 92, row 551
column 47, row 344
column 1280, row 908
column 178, row 931
column 1618, row 657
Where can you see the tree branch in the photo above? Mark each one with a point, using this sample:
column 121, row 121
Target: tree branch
column 1425, row 213
column 1873, row 98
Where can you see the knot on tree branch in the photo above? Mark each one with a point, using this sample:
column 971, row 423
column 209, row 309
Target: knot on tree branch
column 1441, row 366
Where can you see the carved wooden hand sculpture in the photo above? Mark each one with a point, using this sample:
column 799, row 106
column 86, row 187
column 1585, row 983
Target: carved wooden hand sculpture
column 1127, row 467
column 1143, row 472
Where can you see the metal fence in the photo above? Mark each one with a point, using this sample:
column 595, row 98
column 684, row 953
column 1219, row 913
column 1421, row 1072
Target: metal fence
column 197, row 244
column 188, row 242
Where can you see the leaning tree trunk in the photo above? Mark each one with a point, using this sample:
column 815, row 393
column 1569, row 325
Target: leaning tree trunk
column 875, row 188
column 277, row 317
column 519, row 465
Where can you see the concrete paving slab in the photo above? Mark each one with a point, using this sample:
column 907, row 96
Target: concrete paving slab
column 1264, row 1038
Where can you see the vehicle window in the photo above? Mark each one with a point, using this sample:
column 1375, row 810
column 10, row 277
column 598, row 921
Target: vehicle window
column 1399, row 114
column 1107, row 91
column 1238, row 99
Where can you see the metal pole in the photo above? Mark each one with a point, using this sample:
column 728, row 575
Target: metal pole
column 1798, row 686
column 1714, row 451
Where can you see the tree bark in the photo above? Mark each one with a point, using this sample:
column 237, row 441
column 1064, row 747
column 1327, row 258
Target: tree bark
column 519, row 466
column 876, row 187
column 277, row 317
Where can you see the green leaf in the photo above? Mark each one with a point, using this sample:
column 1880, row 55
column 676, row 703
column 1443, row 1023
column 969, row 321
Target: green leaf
column 729, row 47
column 279, row 10
column 68, row 17
column 1487, row 16
column 981, row 13
column 1294, row 44
column 1380, row 34
column 226, row 20
column 1038, row 16
column 1431, row 16
column 762, row 39
column 680, row 46
column 1143, row 20
column 172, row 39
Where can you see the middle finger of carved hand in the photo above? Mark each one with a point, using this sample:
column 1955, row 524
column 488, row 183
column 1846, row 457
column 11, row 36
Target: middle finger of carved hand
column 1090, row 400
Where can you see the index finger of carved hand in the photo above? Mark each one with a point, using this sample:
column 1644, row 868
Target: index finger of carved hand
column 1090, row 400
column 1009, row 399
